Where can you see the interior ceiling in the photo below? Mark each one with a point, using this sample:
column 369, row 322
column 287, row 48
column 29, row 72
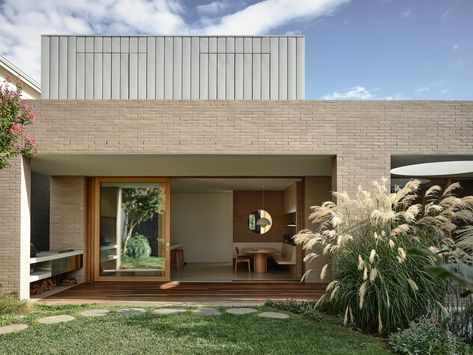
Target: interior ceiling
column 183, row 165
column 230, row 184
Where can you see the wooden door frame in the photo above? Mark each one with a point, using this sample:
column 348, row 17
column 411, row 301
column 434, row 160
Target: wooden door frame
column 93, row 228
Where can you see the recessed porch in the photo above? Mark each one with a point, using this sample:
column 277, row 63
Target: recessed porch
column 210, row 199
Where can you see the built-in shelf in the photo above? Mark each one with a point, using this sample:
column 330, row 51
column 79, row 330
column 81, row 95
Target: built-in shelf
column 39, row 275
column 49, row 263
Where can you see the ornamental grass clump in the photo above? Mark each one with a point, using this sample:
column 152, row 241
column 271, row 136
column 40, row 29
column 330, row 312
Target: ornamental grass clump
column 377, row 281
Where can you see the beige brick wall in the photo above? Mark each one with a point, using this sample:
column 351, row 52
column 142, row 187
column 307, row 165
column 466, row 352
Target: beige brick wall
column 68, row 215
column 15, row 227
column 363, row 134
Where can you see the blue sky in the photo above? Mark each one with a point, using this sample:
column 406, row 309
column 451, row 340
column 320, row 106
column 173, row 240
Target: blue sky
column 355, row 49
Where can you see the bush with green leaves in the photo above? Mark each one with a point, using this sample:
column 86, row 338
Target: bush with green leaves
column 377, row 281
column 138, row 247
column 426, row 337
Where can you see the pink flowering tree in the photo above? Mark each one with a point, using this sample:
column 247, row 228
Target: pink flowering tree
column 15, row 115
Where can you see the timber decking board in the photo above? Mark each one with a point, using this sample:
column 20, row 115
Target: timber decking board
column 178, row 291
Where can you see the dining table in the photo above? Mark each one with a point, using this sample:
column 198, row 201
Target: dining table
column 260, row 257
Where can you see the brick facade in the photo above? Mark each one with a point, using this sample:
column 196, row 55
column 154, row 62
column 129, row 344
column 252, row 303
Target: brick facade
column 361, row 134
column 15, row 227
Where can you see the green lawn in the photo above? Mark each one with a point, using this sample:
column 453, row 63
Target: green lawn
column 183, row 333
column 150, row 262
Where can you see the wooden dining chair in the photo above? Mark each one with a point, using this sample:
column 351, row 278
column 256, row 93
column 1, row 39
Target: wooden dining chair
column 241, row 259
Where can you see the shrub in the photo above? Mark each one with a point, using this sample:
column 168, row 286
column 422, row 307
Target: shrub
column 138, row 247
column 305, row 308
column 425, row 337
column 378, row 281
column 460, row 323
column 10, row 304
column 15, row 115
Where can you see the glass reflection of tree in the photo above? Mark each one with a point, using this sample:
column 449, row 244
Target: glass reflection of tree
column 140, row 205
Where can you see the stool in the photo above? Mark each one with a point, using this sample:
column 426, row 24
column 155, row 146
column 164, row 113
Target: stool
column 177, row 256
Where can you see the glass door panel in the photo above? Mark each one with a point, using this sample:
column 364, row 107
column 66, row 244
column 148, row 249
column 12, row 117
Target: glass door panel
column 133, row 240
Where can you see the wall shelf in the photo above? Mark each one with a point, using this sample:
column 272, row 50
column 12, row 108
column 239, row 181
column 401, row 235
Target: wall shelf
column 48, row 264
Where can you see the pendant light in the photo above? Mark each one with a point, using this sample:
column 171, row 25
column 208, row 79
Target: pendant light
column 263, row 221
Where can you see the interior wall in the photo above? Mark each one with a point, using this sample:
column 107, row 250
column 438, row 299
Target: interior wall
column 68, row 215
column 245, row 202
column 202, row 223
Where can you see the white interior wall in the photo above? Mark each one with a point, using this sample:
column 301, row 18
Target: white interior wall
column 203, row 223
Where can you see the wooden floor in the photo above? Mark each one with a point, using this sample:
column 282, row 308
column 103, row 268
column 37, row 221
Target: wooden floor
column 175, row 291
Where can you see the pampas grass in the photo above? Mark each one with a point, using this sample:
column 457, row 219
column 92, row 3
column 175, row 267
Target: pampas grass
column 375, row 281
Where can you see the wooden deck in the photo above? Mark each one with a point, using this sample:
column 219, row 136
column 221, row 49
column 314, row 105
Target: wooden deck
column 186, row 292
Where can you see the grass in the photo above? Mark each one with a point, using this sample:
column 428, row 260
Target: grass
column 11, row 304
column 150, row 262
column 183, row 333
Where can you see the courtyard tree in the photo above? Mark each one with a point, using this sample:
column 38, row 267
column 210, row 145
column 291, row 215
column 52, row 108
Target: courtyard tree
column 140, row 205
column 15, row 115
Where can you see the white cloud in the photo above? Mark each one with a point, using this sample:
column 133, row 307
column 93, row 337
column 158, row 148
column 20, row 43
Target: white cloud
column 360, row 93
column 455, row 47
column 267, row 15
column 23, row 21
column 406, row 14
column 354, row 93
column 213, row 7
column 422, row 89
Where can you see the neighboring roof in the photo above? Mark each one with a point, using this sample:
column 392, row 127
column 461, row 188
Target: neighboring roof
column 16, row 72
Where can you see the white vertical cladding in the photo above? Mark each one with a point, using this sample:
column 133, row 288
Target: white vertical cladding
column 168, row 67
column 45, row 63
column 239, row 68
column 54, row 64
column 98, row 67
column 256, row 75
column 89, row 68
column 186, row 68
column 80, row 73
column 221, row 68
column 282, row 65
column 230, row 69
column 71, row 67
column 212, row 68
column 133, row 68
column 62, row 77
column 204, row 68
column 160, row 68
column 142, row 68
column 300, row 68
column 195, row 68
column 116, row 57
column 150, row 68
column 177, row 68
column 173, row 67
column 274, row 68
column 291, row 68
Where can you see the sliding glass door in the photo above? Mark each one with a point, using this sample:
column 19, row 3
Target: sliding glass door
column 132, row 229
